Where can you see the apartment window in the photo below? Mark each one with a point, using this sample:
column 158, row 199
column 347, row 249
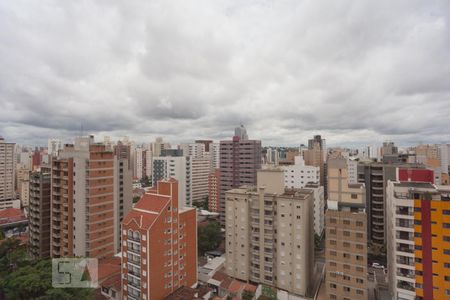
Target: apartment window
column 359, row 292
column 346, row 289
column 346, row 222
column 332, row 285
column 332, row 220
column 359, row 235
column 346, row 233
column 332, row 253
column 359, row 223
column 346, row 277
column 359, row 257
column 354, row 196
column 332, row 242
column 359, row 280
column 446, row 212
column 346, row 244
column 347, row 267
column 447, row 251
column 446, row 225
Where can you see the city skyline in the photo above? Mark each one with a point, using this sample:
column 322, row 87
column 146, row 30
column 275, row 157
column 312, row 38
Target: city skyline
column 356, row 73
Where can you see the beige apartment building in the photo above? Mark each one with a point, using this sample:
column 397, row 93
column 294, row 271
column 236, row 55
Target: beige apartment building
column 269, row 233
column 346, row 232
column 7, row 174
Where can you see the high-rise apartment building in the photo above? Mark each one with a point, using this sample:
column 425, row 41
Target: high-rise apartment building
column 239, row 161
column 269, row 233
column 346, row 232
column 159, row 145
column 23, row 184
column 214, row 154
column 82, row 200
column 7, row 174
column 54, row 145
column 123, row 190
column 375, row 176
column 159, row 245
column 315, row 155
column 39, row 213
column 214, row 190
column 141, row 162
column 207, row 144
column 296, row 176
column 198, row 178
column 193, row 149
column 388, row 148
column 319, row 207
column 418, row 240
column 177, row 167
column 241, row 132
column 190, row 171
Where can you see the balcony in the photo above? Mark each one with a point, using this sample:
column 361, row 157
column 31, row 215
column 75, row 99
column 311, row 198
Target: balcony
column 404, row 223
column 403, row 235
column 406, row 273
column 406, row 286
column 404, row 211
column 407, row 261
column 405, row 248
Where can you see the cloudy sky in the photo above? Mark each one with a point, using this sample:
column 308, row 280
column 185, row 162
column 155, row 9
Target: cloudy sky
column 354, row 71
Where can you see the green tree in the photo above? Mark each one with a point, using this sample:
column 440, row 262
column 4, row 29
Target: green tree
column 209, row 237
column 247, row 295
column 23, row 278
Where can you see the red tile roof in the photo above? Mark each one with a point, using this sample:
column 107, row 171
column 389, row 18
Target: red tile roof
column 235, row 286
column 152, row 202
column 10, row 215
column 143, row 219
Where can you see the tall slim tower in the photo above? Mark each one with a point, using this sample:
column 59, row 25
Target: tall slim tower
column 39, row 213
column 239, row 161
column 82, row 200
column 7, row 173
column 346, row 232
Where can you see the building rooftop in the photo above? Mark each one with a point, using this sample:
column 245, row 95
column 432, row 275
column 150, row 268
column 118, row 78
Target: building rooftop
column 11, row 215
column 410, row 184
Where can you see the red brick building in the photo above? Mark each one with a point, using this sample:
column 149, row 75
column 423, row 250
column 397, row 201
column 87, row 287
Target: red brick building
column 159, row 245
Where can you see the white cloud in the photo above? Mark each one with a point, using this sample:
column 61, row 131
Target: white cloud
column 355, row 72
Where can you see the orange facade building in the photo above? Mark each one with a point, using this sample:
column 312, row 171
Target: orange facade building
column 159, row 245
column 82, row 201
column 418, row 220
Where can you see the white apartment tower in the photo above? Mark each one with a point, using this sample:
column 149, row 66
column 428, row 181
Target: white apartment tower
column 296, row 176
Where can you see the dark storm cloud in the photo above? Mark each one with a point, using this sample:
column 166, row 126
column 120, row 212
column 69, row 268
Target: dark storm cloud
column 353, row 71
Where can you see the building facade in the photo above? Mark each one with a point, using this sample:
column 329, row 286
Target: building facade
column 39, row 213
column 346, row 232
column 418, row 240
column 239, row 161
column 269, row 234
column 375, row 176
column 82, row 200
column 214, row 190
column 7, row 174
column 159, row 248
column 123, row 191
column 296, row 176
